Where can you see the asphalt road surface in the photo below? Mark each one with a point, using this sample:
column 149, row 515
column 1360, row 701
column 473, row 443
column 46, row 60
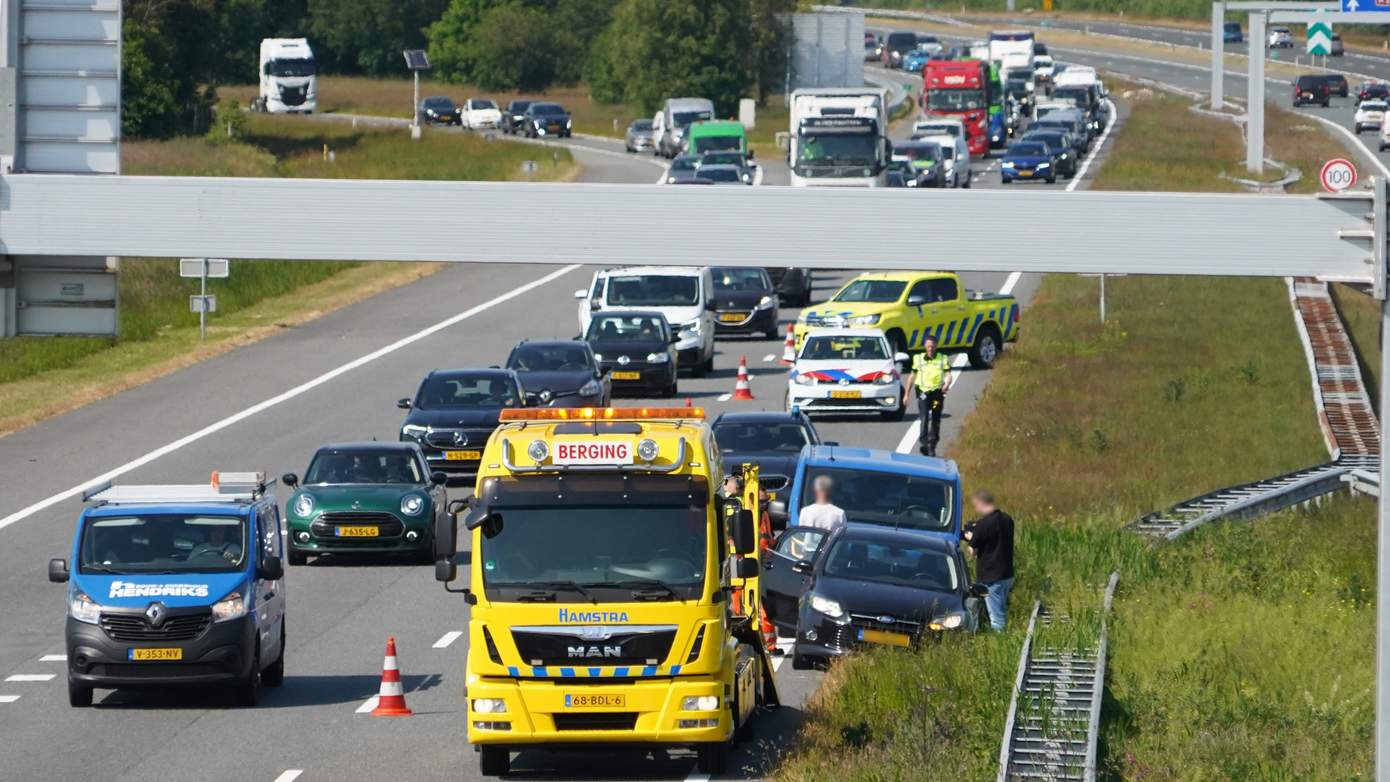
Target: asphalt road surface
column 267, row 406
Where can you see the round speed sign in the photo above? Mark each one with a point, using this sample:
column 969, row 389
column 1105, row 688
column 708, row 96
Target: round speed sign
column 1337, row 175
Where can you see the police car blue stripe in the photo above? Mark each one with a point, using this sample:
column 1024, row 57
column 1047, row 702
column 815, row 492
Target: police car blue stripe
column 538, row 671
column 512, row 670
column 567, row 673
column 649, row 670
column 939, row 327
column 949, row 331
column 975, row 327
column 912, row 340
column 620, row 672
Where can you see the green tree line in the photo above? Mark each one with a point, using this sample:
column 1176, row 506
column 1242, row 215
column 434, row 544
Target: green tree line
column 177, row 52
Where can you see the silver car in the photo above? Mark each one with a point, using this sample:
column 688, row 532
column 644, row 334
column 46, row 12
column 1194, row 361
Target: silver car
column 639, row 136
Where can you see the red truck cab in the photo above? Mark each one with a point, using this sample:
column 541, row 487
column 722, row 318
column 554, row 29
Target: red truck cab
column 956, row 88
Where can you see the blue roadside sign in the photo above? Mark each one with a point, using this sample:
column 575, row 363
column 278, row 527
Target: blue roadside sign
column 1362, row 6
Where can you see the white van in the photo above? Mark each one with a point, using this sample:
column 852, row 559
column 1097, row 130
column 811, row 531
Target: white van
column 938, row 126
column 676, row 116
column 684, row 294
column 955, row 153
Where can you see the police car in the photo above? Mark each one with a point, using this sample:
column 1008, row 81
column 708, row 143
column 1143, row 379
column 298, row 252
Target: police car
column 847, row 371
column 176, row 585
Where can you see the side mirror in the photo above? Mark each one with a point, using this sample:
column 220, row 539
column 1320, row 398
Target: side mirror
column 831, row 443
column 899, row 357
column 675, row 337
column 979, row 590
column 803, row 565
column 290, row 479
column 750, row 154
column 439, row 478
column 916, row 300
column 581, row 293
column 709, row 305
column 58, row 571
column 272, row 569
column 403, row 404
column 445, row 538
column 777, row 509
column 595, row 305
column 745, row 536
column 747, row 567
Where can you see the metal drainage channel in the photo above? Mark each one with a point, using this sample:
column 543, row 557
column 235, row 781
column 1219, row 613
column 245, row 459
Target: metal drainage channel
column 1054, row 716
column 1344, row 411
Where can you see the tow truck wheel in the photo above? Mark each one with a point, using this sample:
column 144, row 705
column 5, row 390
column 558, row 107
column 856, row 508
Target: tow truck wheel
column 712, row 758
column 494, row 761
column 78, row 695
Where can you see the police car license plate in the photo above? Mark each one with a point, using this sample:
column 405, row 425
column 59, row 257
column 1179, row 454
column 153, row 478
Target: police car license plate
column 358, row 532
column 844, row 394
column 884, row 637
column 627, row 375
column 1025, row 173
column 462, row 456
column 156, row 654
column 587, row 701
column 731, row 317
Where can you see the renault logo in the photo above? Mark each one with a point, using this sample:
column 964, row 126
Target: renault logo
column 155, row 613
column 460, row 438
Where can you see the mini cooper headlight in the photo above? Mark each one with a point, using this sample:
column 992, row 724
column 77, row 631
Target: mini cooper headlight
column 412, row 504
column 303, row 505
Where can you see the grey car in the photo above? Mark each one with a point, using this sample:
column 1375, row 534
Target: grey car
column 682, row 168
column 721, row 174
column 729, row 158
column 639, row 136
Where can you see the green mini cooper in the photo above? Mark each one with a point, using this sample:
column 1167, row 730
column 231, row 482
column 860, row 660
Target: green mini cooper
column 368, row 498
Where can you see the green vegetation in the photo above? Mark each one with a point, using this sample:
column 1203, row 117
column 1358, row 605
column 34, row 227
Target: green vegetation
column 1361, row 317
column 1243, row 651
column 1155, row 150
column 516, row 44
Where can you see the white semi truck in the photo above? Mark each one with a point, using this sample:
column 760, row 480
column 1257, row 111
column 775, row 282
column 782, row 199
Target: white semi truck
column 839, row 137
column 288, row 81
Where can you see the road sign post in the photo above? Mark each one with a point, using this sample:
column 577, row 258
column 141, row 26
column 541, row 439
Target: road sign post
column 416, row 60
column 203, row 268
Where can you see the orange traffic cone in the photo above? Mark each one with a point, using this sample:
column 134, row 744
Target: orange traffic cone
column 741, row 390
column 769, row 634
column 789, row 347
column 390, row 701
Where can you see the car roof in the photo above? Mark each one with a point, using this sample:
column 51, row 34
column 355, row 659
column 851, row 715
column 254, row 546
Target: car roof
column 713, row 126
column 552, row 343
column 759, row 417
column 488, row 372
column 627, row 314
column 878, row 533
column 941, row 139
column 667, row 271
column 879, row 460
column 384, row 446
column 822, row 332
column 895, row 276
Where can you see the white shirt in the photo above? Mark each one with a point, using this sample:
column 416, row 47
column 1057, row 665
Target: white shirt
column 826, row 517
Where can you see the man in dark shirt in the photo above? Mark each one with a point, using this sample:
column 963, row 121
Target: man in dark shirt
column 991, row 538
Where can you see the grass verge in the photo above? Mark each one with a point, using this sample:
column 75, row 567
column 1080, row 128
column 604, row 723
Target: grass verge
column 1220, row 643
column 43, row 376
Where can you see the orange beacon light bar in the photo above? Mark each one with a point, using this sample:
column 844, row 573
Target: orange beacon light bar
column 602, row 414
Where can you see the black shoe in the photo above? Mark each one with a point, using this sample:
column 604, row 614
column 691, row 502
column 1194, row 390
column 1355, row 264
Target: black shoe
column 924, row 450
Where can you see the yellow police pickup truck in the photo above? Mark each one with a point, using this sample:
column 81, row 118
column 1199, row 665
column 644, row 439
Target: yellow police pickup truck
column 909, row 306
column 614, row 588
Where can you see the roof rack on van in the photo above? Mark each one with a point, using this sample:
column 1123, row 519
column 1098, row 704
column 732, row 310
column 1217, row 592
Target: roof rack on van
column 223, row 486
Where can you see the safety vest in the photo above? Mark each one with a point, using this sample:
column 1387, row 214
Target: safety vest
column 929, row 374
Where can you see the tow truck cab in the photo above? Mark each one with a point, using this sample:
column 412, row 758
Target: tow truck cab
column 613, row 587
column 176, row 585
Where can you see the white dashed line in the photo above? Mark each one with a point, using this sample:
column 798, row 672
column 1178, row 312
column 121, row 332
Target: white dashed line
column 8, row 698
column 447, row 638
column 30, row 677
column 769, row 358
column 368, row 705
column 289, row 775
column 723, row 397
column 53, row 658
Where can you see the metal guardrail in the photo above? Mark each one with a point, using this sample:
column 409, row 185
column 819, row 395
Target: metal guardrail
column 1363, row 482
column 1053, row 723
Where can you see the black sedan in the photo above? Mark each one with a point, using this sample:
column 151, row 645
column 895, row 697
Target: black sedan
column 561, row 373
column 454, row 412
column 438, row 110
column 771, row 439
column 866, row 585
column 682, row 169
column 544, row 119
column 744, row 301
column 1060, row 145
column 514, row 116
column 637, row 349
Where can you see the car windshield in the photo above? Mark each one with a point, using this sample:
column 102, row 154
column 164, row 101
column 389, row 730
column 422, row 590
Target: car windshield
column 721, row 159
column 685, row 163
column 1373, row 105
column 877, row 291
column 707, row 143
column 163, row 543
column 684, row 119
column 955, row 100
column 291, row 67
column 848, row 149
column 842, row 348
column 728, row 279
column 338, row 466
column 439, row 103
column 547, row 109
column 903, row 564
column 642, row 124
column 1077, row 95
column 484, row 104
column 1030, row 149
column 887, row 499
column 455, row 392
column 760, row 436
column 550, row 358
column 919, row 153
column 625, row 328
column 924, row 129
column 719, row 174
column 901, row 42
column 654, row 290
column 518, row 106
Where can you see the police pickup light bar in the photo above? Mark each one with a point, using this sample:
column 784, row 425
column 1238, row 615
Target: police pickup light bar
column 603, row 414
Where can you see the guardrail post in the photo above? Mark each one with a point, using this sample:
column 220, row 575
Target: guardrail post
column 1218, row 56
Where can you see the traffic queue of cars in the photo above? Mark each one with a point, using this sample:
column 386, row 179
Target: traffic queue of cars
column 530, row 118
column 1063, row 126
column 1372, row 103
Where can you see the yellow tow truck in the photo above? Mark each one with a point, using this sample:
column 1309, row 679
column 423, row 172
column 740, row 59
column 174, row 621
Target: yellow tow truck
column 614, row 588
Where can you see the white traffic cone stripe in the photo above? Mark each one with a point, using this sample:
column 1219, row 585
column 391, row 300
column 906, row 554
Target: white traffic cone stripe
column 390, row 665
column 391, row 688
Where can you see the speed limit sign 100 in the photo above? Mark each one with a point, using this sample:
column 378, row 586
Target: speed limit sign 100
column 1337, row 175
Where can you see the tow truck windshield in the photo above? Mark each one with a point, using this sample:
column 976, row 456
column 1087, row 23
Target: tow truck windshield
column 887, row 499
column 290, row 67
column 837, row 148
column 162, row 543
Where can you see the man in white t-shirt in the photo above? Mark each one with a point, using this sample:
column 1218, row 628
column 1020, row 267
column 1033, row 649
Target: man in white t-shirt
column 823, row 513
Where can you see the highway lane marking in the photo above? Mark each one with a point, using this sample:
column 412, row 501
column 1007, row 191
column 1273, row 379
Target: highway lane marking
column 1100, row 145
column 53, row 658
column 368, row 705
column 447, row 638
column 289, row 775
column 957, row 366
column 285, row 396
column 769, row 358
column 30, row 677
column 723, row 397
column 1373, row 157
column 8, row 698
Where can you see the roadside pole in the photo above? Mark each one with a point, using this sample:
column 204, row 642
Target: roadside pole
column 1255, row 97
column 1379, row 253
column 1102, row 299
column 203, row 297
column 1218, row 55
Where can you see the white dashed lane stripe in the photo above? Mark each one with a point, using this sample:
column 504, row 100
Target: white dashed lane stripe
column 30, row 677
column 289, row 775
column 367, row 706
column 8, row 698
column 447, row 638
column 53, row 658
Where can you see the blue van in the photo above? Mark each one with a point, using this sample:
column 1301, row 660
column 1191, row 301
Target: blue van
column 874, row 486
column 175, row 585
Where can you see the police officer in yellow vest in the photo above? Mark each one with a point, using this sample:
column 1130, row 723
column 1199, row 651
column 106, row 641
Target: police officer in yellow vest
column 930, row 380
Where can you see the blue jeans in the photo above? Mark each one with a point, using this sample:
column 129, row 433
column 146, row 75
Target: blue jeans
column 997, row 601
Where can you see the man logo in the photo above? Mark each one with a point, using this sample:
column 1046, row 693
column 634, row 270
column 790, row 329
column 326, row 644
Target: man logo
column 594, row 651
column 595, row 633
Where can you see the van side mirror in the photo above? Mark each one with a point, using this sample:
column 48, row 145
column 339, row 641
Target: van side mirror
column 979, row 590
column 290, row 479
column 58, row 571
column 272, row 569
column 745, row 537
column 439, row 478
column 899, row 357
column 403, row 404
column 709, row 305
column 446, row 533
column 777, row 509
column 747, row 567
column 750, row 154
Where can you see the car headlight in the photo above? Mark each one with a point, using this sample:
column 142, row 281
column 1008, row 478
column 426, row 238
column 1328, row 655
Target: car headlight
column 884, row 378
column 412, row 504
column 947, row 622
column 826, row 606
column 670, row 180
column 231, row 607
column 303, row 505
column 569, row 123
column 658, row 358
column 414, row 431
column 598, row 356
column 863, row 320
column 700, row 703
column 804, row 380
column 591, row 388
column 83, row 608
column 429, row 112
column 1007, row 164
column 693, row 327
column 766, row 303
